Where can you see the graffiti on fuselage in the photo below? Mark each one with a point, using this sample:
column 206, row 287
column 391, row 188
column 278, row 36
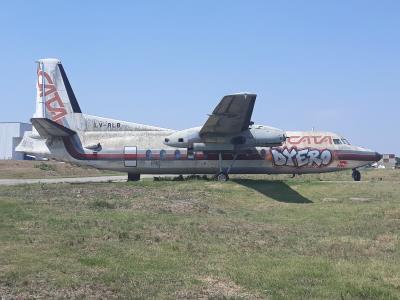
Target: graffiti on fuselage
column 309, row 139
column 293, row 157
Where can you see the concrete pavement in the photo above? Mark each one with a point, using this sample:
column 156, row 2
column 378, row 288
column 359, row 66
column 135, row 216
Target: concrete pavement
column 76, row 179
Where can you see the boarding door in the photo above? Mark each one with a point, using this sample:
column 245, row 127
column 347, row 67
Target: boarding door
column 130, row 156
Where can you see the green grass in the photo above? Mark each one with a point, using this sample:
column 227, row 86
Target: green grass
column 248, row 238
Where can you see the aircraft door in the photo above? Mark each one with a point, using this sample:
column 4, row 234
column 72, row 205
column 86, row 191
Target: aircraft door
column 130, row 156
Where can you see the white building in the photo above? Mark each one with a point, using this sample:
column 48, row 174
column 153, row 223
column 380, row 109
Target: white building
column 11, row 134
column 388, row 161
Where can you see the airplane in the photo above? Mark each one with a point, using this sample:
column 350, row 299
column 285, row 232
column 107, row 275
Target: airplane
column 228, row 142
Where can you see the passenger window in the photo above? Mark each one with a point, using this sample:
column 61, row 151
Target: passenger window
column 337, row 141
column 263, row 153
column 177, row 154
column 148, row 155
column 163, row 154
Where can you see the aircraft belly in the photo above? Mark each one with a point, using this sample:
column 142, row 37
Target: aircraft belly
column 212, row 167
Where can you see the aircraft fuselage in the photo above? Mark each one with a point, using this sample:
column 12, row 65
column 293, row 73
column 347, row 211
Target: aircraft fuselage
column 144, row 152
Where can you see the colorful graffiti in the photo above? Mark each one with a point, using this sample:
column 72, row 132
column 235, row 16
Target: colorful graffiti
column 54, row 104
column 309, row 139
column 294, row 157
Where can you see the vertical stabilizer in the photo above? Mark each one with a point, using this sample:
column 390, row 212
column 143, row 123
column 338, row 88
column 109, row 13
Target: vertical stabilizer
column 55, row 99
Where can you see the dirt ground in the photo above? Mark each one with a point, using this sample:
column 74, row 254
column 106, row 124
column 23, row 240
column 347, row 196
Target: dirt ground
column 14, row 169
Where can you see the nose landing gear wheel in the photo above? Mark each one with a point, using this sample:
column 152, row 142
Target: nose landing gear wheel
column 356, row 175
column 222, row 177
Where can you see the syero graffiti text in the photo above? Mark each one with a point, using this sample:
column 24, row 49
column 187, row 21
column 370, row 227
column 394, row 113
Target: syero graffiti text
column 294, row 157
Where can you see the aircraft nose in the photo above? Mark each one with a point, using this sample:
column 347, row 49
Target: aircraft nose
column 378, row 156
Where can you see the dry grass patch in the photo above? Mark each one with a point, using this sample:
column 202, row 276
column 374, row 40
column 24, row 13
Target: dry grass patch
column 247, row 238
column 19, row 169
column 216, row 288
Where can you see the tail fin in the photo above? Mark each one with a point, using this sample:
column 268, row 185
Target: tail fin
column 55, row 99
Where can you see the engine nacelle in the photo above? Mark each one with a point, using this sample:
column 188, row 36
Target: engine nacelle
column 184, row 138
column 256, row 136
column 263, row 136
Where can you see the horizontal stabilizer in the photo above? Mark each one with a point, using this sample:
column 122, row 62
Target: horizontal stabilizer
column 47, row 128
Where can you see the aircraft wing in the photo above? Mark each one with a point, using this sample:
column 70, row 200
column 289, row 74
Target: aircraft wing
column 231, row 116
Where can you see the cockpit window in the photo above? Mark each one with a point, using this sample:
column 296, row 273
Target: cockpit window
column 345, row 142
column 337, row 141
column 180, row 140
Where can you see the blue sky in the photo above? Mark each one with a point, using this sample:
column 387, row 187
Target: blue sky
column 332, row 65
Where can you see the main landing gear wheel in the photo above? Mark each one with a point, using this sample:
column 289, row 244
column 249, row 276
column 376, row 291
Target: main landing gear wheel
column 222, row 177
column 356, row 175
column 133, row 177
